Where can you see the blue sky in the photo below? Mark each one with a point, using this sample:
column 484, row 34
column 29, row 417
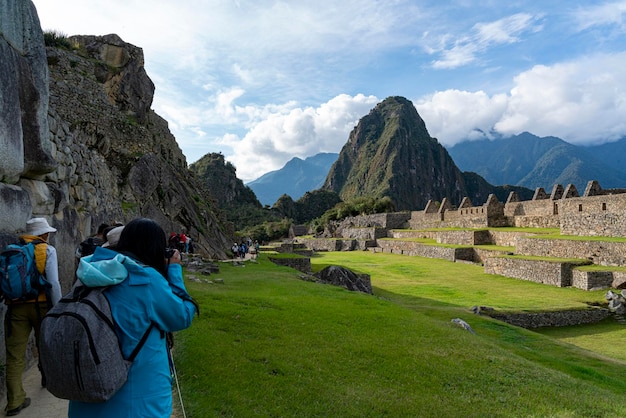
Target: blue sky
column 263, row 81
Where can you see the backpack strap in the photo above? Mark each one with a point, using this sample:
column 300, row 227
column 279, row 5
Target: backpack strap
column 143, row 340
column 82, row 291
column 40, row 251
column 41, row 256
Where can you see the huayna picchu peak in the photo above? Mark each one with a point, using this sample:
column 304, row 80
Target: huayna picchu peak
column 390, row 153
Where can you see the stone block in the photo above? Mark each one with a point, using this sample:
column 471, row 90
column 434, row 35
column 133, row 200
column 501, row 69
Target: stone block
column 42, row 199
column 15, row 207
column 588, row 280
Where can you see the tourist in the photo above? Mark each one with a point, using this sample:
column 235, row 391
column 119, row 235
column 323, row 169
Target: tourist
column 22, row 317
column 149, row 290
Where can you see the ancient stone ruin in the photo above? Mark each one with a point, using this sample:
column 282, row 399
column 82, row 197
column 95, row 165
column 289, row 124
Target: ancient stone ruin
column 459, row 232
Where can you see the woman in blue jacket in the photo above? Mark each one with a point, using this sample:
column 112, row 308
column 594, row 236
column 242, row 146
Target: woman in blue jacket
column 146, row 288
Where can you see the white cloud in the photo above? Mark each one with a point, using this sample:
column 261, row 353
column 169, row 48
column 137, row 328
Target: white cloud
column 453, row 116
column 610, row 13
column 582, row 102
column 298, row 132
column 483, row 36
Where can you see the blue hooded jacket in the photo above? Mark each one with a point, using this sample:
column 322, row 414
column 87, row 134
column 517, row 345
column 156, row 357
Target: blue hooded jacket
column 139, row 296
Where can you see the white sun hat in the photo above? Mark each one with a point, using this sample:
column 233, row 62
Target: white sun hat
column 38, row 226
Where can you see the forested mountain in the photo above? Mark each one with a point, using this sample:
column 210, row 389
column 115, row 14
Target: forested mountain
column 530, row 161
column 295, row 179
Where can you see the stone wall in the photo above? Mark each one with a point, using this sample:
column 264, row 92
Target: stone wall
column 425, row 220
column 548, row 221
column 555, row 273
column 542, row 207
column 598, row 213
column 26, row 153
column 322, row 244
column 364, row 233
column 381, row 220
column 506, row 239
column 336, row 244
column 466, row 218
column 553, row 319
column 416, row 249
column 479, row 237
column 601, row 252
column 589, row 280
column 302, row 264
column 411, row 233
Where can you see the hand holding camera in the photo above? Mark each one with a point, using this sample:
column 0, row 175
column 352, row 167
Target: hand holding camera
column 172, row 255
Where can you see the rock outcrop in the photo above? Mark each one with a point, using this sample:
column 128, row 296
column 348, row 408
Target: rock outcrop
column 117, row 157
column 343, row 277
column 24, row 144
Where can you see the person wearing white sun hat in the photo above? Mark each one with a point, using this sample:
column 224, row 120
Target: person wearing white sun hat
column 24, row 316
column 112, row 237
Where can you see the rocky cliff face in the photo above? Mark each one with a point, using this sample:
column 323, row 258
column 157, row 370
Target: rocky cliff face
column 117, row 157
column 390, row 153
column 80, row 145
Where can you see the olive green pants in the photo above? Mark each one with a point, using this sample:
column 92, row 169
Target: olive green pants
column 19, row 321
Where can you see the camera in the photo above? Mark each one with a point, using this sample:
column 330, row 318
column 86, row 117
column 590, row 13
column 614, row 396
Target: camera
column 169, row 252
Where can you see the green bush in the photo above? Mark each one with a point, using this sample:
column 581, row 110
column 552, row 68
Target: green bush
column 267, row 231
column 355, row 207
column 56, row 39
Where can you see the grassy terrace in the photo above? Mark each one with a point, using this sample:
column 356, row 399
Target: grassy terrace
column 582, row 261
column 269, row 344
column 497, row 229
column 580, row 238
column 595, row 267
column 429, row 241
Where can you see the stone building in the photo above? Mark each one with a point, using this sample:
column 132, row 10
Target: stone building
column 598, row 212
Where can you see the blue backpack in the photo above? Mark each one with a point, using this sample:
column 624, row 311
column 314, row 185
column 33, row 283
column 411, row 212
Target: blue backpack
column 20, row 280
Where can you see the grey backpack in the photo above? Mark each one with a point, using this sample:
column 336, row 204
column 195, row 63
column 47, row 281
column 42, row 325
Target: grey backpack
column 79, row 350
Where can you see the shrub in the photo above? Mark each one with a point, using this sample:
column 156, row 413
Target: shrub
column 56, row 39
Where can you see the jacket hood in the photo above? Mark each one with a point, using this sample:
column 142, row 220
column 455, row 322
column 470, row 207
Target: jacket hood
column 94, row 271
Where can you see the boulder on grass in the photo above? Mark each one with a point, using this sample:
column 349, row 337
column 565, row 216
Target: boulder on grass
column 341, row 276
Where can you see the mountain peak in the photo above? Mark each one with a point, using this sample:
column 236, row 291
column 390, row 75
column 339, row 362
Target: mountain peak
column 390, row 153
column 295, row 178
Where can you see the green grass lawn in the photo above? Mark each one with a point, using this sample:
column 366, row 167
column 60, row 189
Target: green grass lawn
column 269, row 344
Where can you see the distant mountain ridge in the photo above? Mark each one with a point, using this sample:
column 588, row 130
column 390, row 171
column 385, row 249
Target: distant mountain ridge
column 295, row 179
column 530, row 161
column 521, row 160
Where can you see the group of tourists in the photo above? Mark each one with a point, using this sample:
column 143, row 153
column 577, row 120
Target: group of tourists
column 147, row 297
column 246, row 246
column 181, row 242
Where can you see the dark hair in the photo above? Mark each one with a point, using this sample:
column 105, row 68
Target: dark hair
column 102, row 227
column 144, row 240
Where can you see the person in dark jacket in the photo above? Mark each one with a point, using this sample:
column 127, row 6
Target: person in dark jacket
column 147, row 288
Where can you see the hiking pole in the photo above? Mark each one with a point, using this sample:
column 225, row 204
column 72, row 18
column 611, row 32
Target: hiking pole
column 180, row 395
